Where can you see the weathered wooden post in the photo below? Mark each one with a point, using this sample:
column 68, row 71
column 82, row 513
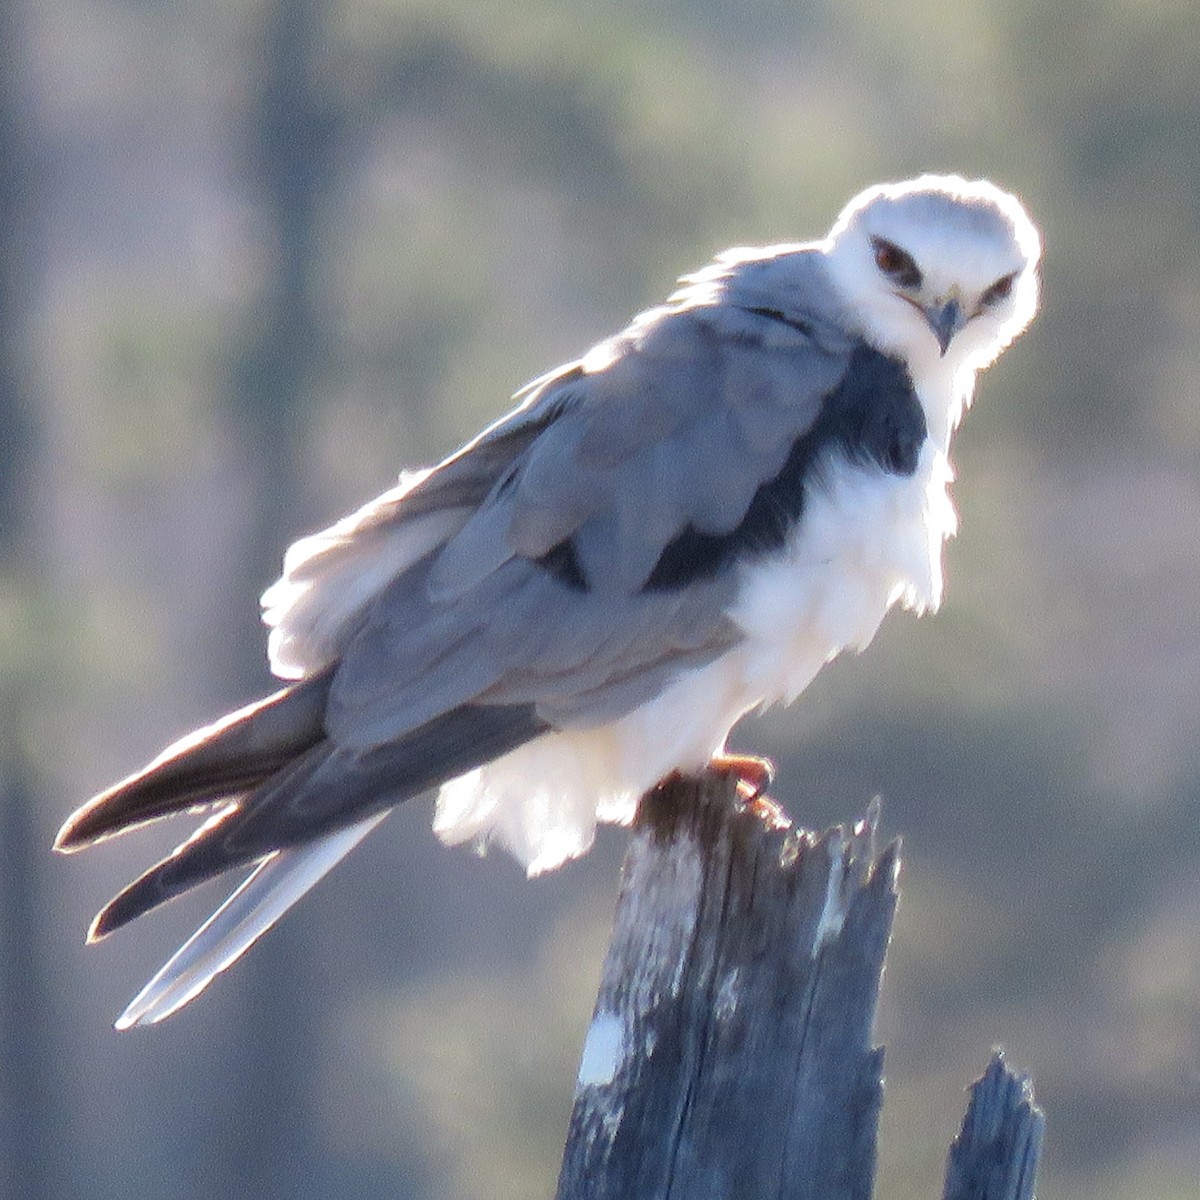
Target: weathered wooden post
column 995, row 1156
column 730, row 1051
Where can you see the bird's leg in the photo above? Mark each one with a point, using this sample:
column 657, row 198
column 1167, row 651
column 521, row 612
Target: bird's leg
column 754, row 776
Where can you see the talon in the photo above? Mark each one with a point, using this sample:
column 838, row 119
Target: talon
column 754, row 774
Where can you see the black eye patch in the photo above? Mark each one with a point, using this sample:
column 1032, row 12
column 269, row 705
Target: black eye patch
column 1000, row 290
column 898, row 265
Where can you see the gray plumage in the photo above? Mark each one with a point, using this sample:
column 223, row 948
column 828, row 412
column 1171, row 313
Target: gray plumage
column 619, row 459
column 608, row 577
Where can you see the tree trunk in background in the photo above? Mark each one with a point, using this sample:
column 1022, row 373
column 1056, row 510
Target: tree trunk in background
column 28, row 1116
column 270, row 1114
column 15, row 184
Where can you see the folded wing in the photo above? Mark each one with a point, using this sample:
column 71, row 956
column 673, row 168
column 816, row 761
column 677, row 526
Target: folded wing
column 519, row 587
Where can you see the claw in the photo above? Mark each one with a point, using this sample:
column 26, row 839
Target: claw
column 754, row 774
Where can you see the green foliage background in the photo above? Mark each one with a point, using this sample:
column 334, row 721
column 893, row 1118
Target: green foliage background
column 259, row 255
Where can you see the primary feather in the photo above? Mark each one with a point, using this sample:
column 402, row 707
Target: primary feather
column 682, row 525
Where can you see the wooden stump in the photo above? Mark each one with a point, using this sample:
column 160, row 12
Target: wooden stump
column 995, row 1156
column 730, row 1051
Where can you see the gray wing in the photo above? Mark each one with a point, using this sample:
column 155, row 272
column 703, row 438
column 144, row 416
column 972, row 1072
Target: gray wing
column 330, row 577
column 560, row 570
column 543, row 592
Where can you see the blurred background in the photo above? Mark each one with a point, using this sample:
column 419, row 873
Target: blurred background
column 256, row 256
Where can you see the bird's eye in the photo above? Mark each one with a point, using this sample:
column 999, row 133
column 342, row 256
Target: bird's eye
column 1000, row 290
column 896, row 264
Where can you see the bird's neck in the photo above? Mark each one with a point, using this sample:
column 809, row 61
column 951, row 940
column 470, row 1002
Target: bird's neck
column 944, row 386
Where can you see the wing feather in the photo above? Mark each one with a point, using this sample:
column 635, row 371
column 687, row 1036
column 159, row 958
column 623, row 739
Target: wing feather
column 559, row 571
column 615, row 461
column 330, row 577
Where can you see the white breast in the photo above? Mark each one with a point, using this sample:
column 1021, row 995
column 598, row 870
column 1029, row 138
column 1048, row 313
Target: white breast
column 868, row 540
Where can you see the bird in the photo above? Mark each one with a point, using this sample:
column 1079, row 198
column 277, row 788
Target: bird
column 680, row 527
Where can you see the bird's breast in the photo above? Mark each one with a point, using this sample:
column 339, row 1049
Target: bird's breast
column 868, row 539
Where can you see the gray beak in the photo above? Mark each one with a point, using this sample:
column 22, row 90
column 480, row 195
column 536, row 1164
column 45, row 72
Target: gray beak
column 945, row 320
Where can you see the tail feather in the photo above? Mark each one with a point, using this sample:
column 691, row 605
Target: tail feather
column 322, row 790
column 222, row 760
column 207, row 852
column 258, row 903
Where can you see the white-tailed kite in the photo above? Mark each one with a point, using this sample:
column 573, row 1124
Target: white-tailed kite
column 682, row 526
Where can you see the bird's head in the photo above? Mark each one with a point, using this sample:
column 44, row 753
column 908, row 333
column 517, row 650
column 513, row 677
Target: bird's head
column 938, row 268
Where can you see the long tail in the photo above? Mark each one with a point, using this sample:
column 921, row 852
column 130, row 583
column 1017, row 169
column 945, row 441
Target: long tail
column 215, row 763
column 288, row 800
column 258, row 903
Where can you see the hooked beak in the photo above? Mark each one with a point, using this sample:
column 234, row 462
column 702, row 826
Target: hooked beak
column 945, row 320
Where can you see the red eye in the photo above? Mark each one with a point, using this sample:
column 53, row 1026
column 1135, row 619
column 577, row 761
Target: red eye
column 1000, row 290
column 896, row 264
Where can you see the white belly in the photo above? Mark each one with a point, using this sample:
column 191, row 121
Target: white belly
column 867, row 541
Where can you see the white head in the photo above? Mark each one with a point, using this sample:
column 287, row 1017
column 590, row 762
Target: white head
column 937, row 268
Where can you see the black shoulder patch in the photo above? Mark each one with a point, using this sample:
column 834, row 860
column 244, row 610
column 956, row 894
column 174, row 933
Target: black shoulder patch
column 872, row 417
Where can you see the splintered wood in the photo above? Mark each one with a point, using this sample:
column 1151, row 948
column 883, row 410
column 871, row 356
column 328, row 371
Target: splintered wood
column 740, row 987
